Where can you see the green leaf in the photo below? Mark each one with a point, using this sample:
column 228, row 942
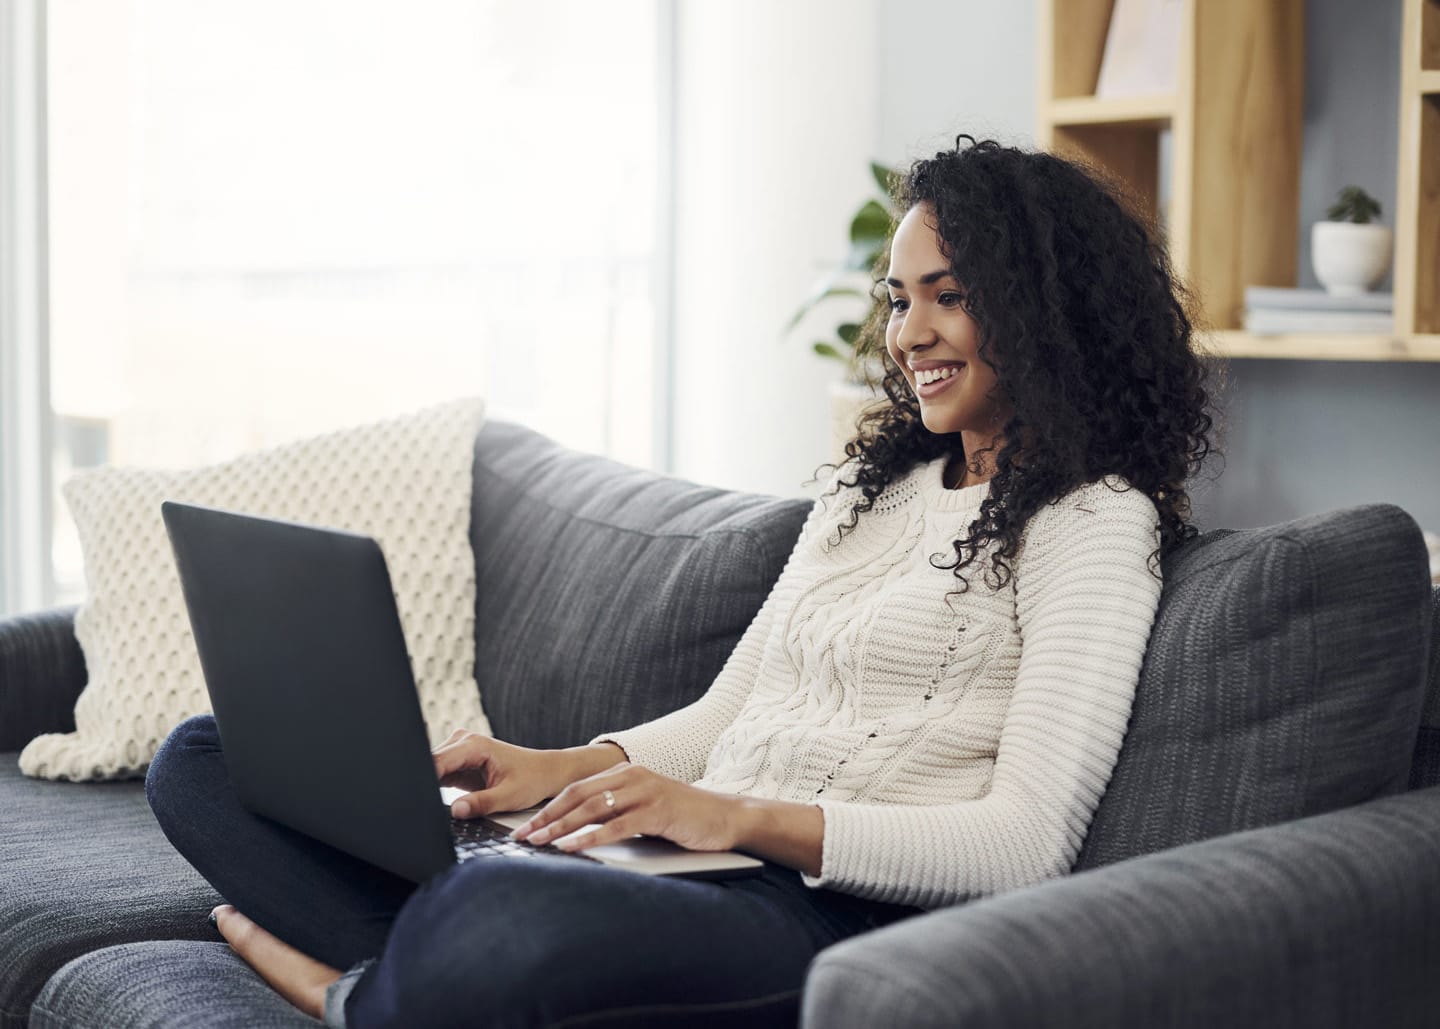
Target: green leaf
column 864, row 255
column 849, row 332
column 871, row 224
column 883, row 178
column 826, row 350
column 826, row 290
column 1353, row 205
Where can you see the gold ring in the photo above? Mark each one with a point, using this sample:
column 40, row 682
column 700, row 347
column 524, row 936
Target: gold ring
column 609, row 798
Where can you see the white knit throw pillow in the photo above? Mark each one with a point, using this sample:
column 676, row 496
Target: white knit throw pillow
column 405, row 481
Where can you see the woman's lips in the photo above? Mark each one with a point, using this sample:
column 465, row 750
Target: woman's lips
column 930, row 389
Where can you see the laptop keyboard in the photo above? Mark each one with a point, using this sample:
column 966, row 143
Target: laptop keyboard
column 479, row 838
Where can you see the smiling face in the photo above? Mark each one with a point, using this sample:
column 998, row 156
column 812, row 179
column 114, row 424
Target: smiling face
column 935, row 341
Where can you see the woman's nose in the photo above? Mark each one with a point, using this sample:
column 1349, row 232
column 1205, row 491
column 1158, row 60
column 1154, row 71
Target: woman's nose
column 915, row 331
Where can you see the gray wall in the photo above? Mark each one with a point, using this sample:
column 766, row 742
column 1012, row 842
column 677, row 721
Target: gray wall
column 1308, row 436
column 1299, row 436
column 951, row 66
column 1352, row 98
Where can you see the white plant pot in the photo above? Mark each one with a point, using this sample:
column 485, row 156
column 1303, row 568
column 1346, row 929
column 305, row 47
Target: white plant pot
column 847, row 400
column 1348, row 258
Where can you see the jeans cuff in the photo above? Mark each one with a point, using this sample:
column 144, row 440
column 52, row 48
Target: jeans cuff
column 339, row 991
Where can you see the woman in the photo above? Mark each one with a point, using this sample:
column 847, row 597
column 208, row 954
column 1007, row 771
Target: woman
column 927, row 708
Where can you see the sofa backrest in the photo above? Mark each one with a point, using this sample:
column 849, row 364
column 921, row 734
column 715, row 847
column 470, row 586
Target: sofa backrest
column 1284, row 677
column 607, row 595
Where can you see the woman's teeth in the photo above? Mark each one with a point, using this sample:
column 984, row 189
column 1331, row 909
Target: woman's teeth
column 935, row 375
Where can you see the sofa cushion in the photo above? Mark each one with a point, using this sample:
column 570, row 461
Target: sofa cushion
column 42, row 671
column 85, row 866
column 403, row 480
column 1330, row 922
column 1426, row 769
column 165, row 985
column 607, row 595
column 1284, row 677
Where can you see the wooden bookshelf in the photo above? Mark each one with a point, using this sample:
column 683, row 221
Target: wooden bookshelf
column 1149, row 111
column 1417, row 194
column 1324, row 347
column 1232, row 216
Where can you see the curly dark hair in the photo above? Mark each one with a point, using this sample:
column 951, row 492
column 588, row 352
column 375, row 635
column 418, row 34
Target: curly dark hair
column 1089, row 331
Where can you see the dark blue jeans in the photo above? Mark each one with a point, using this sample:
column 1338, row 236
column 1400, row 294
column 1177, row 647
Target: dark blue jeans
column 548, row 941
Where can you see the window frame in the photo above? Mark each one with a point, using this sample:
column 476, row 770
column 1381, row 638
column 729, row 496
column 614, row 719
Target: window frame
column 26, row 572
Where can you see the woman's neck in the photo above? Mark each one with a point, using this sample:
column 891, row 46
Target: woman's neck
column 960, row 473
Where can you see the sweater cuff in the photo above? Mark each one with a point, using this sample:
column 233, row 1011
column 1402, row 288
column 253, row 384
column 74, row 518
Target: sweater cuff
column 847, row 863
column 648, row 749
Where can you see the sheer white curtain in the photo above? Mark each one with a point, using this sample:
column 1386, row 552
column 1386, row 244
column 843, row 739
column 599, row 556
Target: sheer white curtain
column 271, row 218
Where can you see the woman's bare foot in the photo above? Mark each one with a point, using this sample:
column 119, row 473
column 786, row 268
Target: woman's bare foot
column 298, row 978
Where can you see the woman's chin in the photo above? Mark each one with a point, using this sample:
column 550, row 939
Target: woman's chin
column 937, row 421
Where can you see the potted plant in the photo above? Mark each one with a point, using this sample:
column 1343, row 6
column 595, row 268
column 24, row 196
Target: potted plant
column 870, row 231
column 1350, row 254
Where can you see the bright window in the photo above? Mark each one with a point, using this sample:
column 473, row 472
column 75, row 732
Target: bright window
column 274, row 218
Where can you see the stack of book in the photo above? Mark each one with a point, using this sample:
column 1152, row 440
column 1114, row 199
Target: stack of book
column 1270, row 311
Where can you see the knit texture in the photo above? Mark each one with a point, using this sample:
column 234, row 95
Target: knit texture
column 957, row 745
column 405, row 481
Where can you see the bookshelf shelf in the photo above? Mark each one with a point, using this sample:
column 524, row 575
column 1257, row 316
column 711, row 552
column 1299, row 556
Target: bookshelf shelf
column 1153, row 111
column 1324, row 347
column 1428, row 82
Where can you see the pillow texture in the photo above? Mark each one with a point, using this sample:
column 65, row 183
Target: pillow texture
column 1284, row 678
column 405, row 481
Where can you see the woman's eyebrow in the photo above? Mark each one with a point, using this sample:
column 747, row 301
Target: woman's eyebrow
column 925, row 280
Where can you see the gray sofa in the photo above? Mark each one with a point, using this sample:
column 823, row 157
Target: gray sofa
column 1267, row 853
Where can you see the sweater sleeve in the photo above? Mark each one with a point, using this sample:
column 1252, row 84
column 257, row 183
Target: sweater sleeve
column 1085, row 602
column 679, row 744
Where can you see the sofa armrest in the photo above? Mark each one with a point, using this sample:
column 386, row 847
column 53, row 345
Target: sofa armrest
column 1332, row 920
column 42, row 671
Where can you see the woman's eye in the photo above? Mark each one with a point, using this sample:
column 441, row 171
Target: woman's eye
column 951, row 299
column 898, row 303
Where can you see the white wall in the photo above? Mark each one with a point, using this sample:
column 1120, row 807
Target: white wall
column 775, row 128
column 951, row 66
column 780, row 109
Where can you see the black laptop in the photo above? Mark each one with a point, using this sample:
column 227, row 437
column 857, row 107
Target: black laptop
column 303, row 655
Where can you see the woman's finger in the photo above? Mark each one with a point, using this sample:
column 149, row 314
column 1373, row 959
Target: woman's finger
column 457, row 734
column 458, row 757
column 601, row 807
column 482, row 802
column 613, row 831
column 457, row 739
column 586, row 795
column 561, row 804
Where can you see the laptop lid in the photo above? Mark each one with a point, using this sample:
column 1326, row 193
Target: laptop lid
column 301, row 647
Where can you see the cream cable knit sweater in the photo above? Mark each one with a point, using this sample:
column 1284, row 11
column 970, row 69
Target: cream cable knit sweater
column 956, row 751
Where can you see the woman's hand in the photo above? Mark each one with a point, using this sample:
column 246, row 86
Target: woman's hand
column 628, row 799
column 504, row 777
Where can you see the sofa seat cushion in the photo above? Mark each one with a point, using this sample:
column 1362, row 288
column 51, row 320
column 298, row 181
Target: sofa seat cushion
column 607, row 595
column 163, row 985
column 1284, row 677
column 83, row 867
